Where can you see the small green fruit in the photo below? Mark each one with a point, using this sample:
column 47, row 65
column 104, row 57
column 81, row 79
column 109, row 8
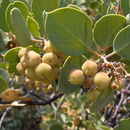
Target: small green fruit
column 49, row 47
column 102, row 80
column 55, row 73
column 92, row 95
column 90, row 68
column 23, row 62
column 22, row 52
column 50, row 58
column 20, row 68
column 30, row 73
column 43, row 71
column 31, row 59
column 76, row 77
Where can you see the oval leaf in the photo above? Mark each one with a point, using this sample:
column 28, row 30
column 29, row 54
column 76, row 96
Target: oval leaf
column 3, row 42
column 38, row 6
column 33, row 27
column 124, row 125
column 102, row 100
column 3, row 6
column 12, row 58
column 3, row 84
column 121, row 43
column 20, row 28
column 70, row 30
column 21, row 6
column 70, row 64
column 106, row 29
column 4, row 74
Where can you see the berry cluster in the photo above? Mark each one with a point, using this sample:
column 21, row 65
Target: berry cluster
column 95, row 76
column 39, row 68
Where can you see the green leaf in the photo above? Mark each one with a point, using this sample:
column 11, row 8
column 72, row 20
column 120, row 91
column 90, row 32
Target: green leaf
column 102, row 100
column 20, row 28
column 71, row 63
column 33, row 27
column 70, row 30
column 56, row 126
column 3, row 84
column 124, row 125
column 3, row 42
column 38, row 6
column 3, row 6
column 23, row 9
column 125, row 6
column 4, row 74
column 121, row 44
column 12, row 58
column 106, row 29
column 105, row 128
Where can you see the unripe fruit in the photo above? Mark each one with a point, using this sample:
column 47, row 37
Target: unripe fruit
column 43, row 71
column 23, row 62
column 22, row 52
column 92, row 95
column 38, row 84
column 102, row 80
column 33, row 59
column 29, row 83
column 10, row 95
column 76, row 77
column 30, row 59
column 49, row 47
column 30, row 73
column 50, row 58
column 20, row 68
column 55, row 73
column 89, row 68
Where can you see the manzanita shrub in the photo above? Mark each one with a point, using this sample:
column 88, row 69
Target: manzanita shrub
column 70, row 59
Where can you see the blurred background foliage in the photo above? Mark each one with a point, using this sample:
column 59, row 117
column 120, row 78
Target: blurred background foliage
column 73, row 114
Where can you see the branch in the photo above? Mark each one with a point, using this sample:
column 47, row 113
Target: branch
column 32, row 103
column 110, row 55
column 121, row 100
column 118, row 106
column 3, row 116
column 37, row 96
column 125, row 91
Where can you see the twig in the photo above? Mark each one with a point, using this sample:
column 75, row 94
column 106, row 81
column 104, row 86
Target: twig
column 37, row 40
column 125, row 91
column 93, row 52
column 33, row 94
column 111, row 54
column 119, row 104
column 59, row 105
column 32, row 103
column 3, row 116
column 118, row 7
